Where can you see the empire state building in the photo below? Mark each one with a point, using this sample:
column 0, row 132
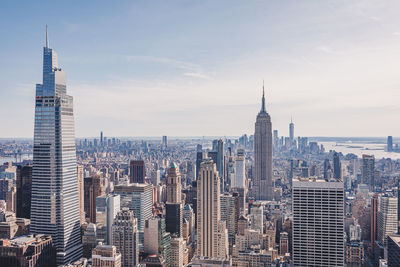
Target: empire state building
column 263, row 187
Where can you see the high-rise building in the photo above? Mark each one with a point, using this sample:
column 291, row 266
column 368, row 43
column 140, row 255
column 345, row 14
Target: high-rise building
column 368, row 171
column 107, row 208
column 164, row 142
column 137, row 171
column 6, row 185
column 263, row 186
column 199, row 159
column 81, row 193
column 257, row 217
column 393, row 251
column 374, row 220
column 212, row 236
column 89, row 240
column 177, row 251
column 101, row 138
column 138, row 198
column 318, row 223
column 221, row 163
column 174, row 205
column 55, row 199
column 291, row 131
column 387, row 218
column 24, row 191
column 106, row 255
column 390, row 143
column 125, row 237
column 337, row 166
column 94, row 187
column 240, row 170
column 228, row 214
column 156, row 239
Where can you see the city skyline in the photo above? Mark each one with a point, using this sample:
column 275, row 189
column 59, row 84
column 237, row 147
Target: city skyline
column 130, row 56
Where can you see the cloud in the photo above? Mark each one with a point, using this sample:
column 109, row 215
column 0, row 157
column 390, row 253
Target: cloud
column 197, row 75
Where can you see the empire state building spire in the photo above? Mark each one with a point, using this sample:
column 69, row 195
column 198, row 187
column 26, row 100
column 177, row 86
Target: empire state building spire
column 263, row 101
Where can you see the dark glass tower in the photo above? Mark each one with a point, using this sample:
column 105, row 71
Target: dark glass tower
column 55, row 200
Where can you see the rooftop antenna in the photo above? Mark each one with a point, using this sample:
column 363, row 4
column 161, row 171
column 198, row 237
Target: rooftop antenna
column 47, row 38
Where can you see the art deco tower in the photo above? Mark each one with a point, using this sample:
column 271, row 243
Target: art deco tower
column 55, row 200
column 263, row 187
column 212, row 235
column 174, row 205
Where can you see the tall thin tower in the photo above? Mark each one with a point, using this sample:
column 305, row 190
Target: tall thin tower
column 291, row 130
column 174, row 205
column 55, row 200
column 263, row 187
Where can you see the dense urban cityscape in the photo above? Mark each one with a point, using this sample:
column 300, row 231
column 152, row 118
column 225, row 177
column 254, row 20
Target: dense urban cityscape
column 262, row 199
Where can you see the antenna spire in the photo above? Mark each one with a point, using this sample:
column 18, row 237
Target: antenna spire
column 263, row 100
column 47, row 38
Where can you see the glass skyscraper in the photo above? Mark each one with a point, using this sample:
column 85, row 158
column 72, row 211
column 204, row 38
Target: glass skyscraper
column 55, row 201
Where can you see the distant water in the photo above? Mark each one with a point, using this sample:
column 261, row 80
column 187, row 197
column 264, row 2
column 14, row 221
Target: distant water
column 357, row 148
column 12, row 159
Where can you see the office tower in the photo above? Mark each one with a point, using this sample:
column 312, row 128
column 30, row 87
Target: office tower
column 276, row 139
column 156, row 239
column 213, row 155
column 240, row 170
column 24, row 191
column 393, row 251
column 93, row 187
column 374, row 220
column 81, row 193
column 155, row 177
column 211, row 231
column 390, row 143
column 189, row 215
column 6, row 185
column 106, row 255
column 29, row 250
column 89, row 240
column 318, row 223
column 55, row 200
column 283, row 243
column 228, row 214
column 107, row 208
column 174, row 206
column 291, row 131
column 221, row 163
column 337, row 166
column 199, row 159
column 11, row 200
column 138, row 198
column 387, row 217
column 164, row 142
column 177, row 250
column 257, row 217
column 101, row 138
column 368, row 171
column 263, row 187
column 137, row 171
column 327, row 169
column 125, row 237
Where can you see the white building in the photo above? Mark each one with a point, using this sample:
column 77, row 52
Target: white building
column 318, row 223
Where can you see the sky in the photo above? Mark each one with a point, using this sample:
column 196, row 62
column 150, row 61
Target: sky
column 196, row 68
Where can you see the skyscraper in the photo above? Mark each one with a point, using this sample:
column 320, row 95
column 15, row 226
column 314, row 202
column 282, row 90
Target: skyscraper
column 368, row 171
column 164, row 142
column 291, row 131
column 174, row 205
column 137, row 171
column 390, row 143
column 240, row 170
column 101, row 138
column 221, row 163
column 55, row 200
column 24, row 191
column 318, row 223
column 212, row 235
column 126, row 238
column 263, row 187
column 337, row 166
column 107, row 208
column 387, row 218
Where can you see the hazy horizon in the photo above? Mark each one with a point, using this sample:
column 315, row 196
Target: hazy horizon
column 195, row 68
